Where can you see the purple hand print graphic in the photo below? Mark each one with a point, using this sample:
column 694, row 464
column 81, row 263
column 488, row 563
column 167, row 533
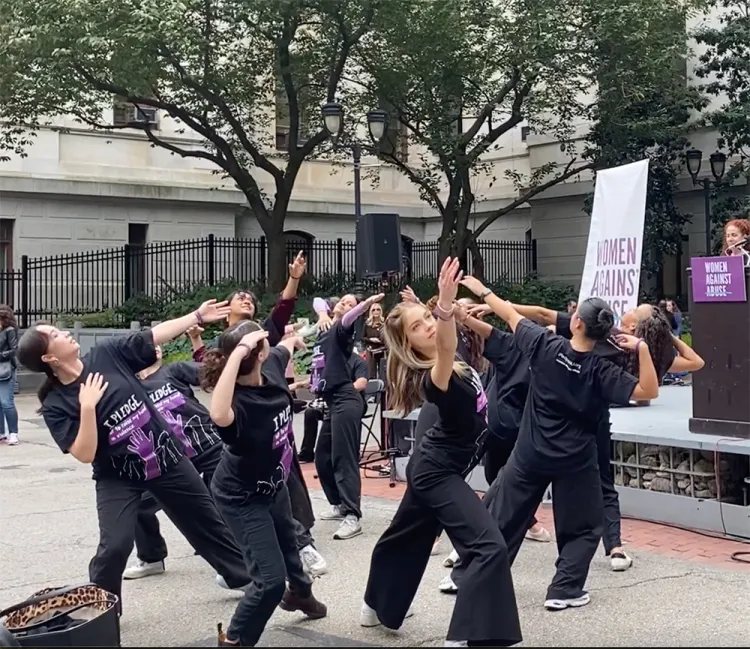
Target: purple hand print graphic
column 142, row 445
column 175, row 423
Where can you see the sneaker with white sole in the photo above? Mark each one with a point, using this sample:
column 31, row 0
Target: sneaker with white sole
column 456, row 643
column 13, row 439
column 349, row 528
column 540, row 536
column 142, row 569
column 452, row 560
column 620, row 562
column 562, row 604
column 448, row 586
column 334, row 514
column 312, row 561
column 369, row 618
column 222, row 583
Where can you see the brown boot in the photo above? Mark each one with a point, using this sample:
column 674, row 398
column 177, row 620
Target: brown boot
column 223, row 641
column 307, row 605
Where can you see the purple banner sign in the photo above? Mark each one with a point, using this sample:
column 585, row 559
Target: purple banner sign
column 719, row 279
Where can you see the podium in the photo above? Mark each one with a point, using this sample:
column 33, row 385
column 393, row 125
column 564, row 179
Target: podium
column 720, row 316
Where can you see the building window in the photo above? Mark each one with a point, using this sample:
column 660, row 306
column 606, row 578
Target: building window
column 6, row 244
column 125, row 114
column 283, row 120
column 525, row 131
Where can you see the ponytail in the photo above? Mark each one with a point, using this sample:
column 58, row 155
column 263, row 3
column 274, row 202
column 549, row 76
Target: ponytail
column 214, row 362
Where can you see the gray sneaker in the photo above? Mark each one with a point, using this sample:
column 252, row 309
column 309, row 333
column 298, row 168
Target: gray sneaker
column 349, row 528
column 143, row 569
column 333, row 515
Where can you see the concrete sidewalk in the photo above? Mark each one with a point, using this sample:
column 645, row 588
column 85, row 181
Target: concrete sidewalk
column 48, row 533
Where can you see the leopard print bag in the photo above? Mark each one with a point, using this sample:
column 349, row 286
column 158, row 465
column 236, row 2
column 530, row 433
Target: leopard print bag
column 81, row 605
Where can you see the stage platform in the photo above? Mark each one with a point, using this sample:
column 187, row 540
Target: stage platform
column 664, row 424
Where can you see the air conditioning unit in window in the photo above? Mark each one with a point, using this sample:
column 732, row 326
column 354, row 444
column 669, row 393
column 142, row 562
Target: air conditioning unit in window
column 144, row 114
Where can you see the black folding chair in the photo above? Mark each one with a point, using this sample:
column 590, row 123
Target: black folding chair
column 373, row 395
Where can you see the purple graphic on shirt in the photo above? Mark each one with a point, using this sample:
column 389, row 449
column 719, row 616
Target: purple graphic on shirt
column 132, row 415
column 142, row 445
column 317, row 364
column 166, row 400
column 282, row 440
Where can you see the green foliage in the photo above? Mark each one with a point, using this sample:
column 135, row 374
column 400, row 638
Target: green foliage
column 644, row 106
column 725, row 64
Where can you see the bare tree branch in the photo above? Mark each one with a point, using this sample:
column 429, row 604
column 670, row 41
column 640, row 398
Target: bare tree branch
column 489, row 108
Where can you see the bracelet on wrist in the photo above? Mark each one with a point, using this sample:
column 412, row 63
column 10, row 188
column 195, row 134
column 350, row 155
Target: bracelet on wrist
column 295, row 278
column 199, row 317
column 485, row 293
column 442, row 314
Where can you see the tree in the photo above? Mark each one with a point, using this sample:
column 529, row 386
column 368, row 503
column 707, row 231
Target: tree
column 457, row 78
column 215, row 67
column 644, row 106
column 725, row 64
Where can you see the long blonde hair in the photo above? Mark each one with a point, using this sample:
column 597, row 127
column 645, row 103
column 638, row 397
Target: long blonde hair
column 405, row 369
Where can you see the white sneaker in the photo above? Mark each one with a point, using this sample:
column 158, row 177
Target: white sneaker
column 452, row 560
column 620, row 561
column 349, row 528
column 13, row 439
column 435, row 548
column 222, row 583
column 540, row 536
column 456, row 643
column 144, row 569
column 562, row 604
column 312, row 561
column 448, row 586
column 369, row 618
column 333, row 515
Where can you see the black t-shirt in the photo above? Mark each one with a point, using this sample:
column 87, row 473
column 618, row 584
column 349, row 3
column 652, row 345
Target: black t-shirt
column 563, row 409
column 509, row 385
column 134, row 441
column 456, row 440
column 330, row 374
column 259, row 450
column 171, row 392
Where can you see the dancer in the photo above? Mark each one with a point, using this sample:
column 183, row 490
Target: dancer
column 557, row 439
column 98, row 411
column 506, row 398
column 337, row 454
column 252, row 406
column 422, row 364
column 243, row 305
column 170, row 388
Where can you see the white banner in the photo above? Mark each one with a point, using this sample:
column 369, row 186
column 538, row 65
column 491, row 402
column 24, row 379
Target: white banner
column 613, row 256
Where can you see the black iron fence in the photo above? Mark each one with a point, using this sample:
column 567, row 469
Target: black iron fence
column 91, row 282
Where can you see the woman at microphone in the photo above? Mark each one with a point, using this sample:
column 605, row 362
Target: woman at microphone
column 736, row 234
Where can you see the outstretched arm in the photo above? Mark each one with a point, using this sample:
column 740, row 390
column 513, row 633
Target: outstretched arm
column 210, row 311
column 447, row 339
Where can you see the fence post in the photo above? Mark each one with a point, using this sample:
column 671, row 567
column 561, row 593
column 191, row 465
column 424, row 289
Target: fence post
column 24, row 291
column 211, row 255
column 533, row 256
column 127, row 272
column 262, row 258
column 339, row 256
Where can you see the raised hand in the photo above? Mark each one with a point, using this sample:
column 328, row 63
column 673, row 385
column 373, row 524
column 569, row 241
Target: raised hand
column 297, row 267
column 373, row 299
column 473, row 284
column 213, row 311
column 450, row 276
column 479, row 310
column 626, row 341
column 195, row 332
column 408, row 295
column 252, row 340
column 91, row 391
column 324, row 321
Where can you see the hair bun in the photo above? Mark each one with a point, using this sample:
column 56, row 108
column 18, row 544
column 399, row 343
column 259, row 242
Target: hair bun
column 606, row 318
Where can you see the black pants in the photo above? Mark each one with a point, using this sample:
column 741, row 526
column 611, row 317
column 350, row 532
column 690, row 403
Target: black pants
column 514, row 498
column 187, row 503
column 302, row 510
column 149, row 543
column 496, row 454
column 611, row 537
column 337, row 454
column 313, row 417
column 265, row 530
column 485, row 612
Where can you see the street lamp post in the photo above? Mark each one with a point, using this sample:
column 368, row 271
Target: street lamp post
column 718, row 162
column 377, row 124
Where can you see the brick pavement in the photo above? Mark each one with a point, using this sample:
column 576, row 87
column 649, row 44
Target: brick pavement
column 636, row 534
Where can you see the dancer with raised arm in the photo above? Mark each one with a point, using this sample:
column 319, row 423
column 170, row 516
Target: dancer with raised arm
column 252, row 406
column 557, row 438
column 337, row 451
column 422, row 365
column 98, row 411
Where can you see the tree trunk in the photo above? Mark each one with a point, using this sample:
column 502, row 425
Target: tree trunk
column 277, row 259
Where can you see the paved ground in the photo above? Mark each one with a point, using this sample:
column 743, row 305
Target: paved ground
column 48, row 532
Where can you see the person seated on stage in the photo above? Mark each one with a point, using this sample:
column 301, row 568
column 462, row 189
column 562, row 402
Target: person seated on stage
column 316, row 410
column 243, row 305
